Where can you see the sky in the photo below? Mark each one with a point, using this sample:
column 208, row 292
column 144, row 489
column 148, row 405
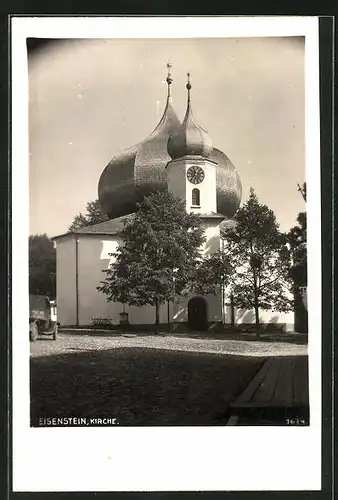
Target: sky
column 91, row 99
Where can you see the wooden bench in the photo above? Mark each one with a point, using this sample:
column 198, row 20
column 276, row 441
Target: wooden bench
column 277, row 394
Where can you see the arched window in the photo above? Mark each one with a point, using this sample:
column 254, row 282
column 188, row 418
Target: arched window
column 195, row 197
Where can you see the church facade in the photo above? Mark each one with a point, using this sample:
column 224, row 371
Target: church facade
column 178, row 157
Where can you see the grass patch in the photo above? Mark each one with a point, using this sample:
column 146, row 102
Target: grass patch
column 139, row 386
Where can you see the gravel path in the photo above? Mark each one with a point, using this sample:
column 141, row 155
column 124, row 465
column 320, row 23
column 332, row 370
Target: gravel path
column 73, row 343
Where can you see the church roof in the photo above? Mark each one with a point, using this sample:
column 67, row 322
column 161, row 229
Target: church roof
column 110, row 227
column 190, row 139
column 113, row 227
column 141, row 169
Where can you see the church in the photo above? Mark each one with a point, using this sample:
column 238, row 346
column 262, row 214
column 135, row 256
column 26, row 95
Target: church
column 178, row 157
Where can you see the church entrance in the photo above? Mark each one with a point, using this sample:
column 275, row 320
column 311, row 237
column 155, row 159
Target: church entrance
column 197, row 314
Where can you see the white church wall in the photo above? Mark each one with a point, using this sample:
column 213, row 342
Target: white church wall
column 246, row 316
column 146, row 315
column 66, row 281
column 179, row 311
column 212, row 233
column 214, row 308
column 93, row 258
column 176, row 180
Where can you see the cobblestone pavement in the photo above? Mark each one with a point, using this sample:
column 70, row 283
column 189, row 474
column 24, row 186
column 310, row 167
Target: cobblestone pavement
column 78, row 342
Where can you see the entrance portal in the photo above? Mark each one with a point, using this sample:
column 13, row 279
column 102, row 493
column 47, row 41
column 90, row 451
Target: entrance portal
column 197, row 314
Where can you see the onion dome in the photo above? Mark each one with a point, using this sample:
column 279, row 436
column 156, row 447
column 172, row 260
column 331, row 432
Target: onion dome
column 191, row 139
column 139, row 170
column 228, row 184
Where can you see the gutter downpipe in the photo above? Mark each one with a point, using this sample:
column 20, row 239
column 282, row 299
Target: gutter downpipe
column 77, row 278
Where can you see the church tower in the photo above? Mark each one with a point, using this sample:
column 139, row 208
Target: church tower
column 191, row 174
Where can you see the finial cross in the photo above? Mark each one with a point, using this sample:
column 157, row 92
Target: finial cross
column 188, row 86
column 169, row 80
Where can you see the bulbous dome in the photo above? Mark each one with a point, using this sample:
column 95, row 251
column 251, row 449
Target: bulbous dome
column 190, row 139
column 141, row 170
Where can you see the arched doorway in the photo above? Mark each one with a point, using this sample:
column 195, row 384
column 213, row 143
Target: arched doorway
column 197, row 314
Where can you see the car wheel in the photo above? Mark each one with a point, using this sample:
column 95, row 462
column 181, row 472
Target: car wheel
column 33, row 331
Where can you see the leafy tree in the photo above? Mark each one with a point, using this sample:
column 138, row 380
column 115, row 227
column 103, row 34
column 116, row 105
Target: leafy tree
column 212, row 273
column 157, row 259
column 42, row 266
column 259, row 260
column 297, row 239
column 93, row 215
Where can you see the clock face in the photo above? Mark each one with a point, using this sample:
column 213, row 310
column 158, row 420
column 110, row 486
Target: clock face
column 195, row 174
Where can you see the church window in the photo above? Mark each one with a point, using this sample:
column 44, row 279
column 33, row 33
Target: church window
column 195, row 198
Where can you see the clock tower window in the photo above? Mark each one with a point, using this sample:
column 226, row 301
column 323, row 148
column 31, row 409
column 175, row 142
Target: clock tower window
column 195, row 197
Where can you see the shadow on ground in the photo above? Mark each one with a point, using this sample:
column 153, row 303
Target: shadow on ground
column 139, row 386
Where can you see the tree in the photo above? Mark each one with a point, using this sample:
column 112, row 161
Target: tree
column 157, row 259
column 297, row 239
column 42, row 266
column 93, row 215
column 213, row 275
column 259, row 260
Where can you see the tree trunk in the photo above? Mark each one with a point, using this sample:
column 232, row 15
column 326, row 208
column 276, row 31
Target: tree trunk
column 257, row 320
column 157, row 316
column 232, row 307
column 169, row 322
column 256, row 307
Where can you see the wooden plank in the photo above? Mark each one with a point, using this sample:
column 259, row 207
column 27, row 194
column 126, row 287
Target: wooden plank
column 272, row 387
column 301, row 385
column 284, row 387
column 257, row 404
column 280, row 386
column 281, row 382
column 266, row 390
column 248, row 393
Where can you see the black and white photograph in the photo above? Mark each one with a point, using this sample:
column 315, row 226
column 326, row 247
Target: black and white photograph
column 169, row 198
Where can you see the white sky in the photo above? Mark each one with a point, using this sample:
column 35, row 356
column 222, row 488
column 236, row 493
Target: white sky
column 90, row 99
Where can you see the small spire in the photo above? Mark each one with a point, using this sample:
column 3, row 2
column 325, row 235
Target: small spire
column 169, row 80
column 188, row 86
column 190, row 138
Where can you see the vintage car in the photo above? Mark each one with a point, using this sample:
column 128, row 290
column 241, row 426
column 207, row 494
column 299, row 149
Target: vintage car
column 41, row 317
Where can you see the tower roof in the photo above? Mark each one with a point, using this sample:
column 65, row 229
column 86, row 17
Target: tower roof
column 190, row 139
column 141, row 169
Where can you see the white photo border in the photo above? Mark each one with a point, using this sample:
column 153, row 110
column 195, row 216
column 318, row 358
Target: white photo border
column 161, row 458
